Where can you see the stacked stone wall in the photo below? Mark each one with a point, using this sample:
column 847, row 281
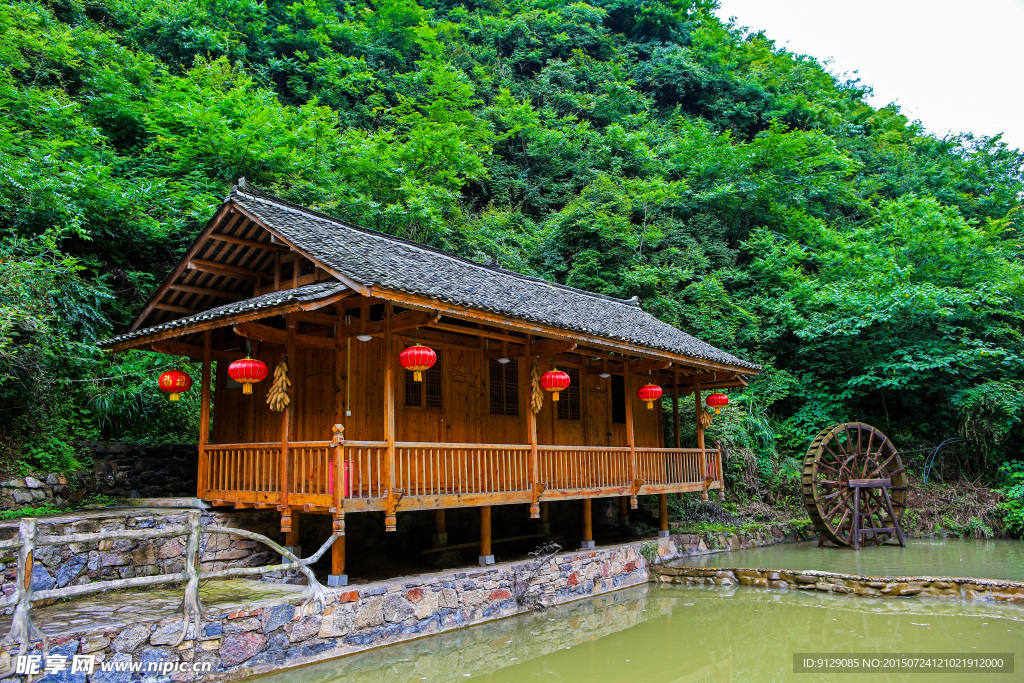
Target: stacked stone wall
column 848, row 584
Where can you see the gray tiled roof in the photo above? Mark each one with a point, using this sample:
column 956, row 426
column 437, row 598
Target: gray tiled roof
column 373, row 258
column 312, row 292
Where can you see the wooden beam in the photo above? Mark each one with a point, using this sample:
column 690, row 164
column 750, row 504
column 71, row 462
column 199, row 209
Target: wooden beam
column 224, row 269
column 252, row 244
column 174, row 309
column 206, row 291
column 275, row 336
column 541, row 349
column 403, row 321
column 190, row 350
column 478, row 332
column 644, row 366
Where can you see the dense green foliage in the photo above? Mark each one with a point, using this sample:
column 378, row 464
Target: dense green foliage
column 626, row 147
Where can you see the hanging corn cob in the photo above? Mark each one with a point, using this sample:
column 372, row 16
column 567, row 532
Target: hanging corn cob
column 536, row 394
column 277, row 396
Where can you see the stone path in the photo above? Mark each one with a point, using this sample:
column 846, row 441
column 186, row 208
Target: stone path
column 117, row 610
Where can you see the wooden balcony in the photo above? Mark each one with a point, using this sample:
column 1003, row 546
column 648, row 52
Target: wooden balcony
column 426, row 476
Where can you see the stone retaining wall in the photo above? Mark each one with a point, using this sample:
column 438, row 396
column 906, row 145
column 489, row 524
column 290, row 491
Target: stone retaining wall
column 80, row 563
column 849, row 584
column 276, row 635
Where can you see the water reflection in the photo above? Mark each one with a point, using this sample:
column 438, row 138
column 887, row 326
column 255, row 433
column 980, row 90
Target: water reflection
column 953, row 557
column 679, row 633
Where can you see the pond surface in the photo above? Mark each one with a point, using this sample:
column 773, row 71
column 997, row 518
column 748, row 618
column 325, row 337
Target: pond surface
column 950, row 557
column 658, row 633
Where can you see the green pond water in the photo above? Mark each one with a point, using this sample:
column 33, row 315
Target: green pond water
column 691, row 633
column 953, row 557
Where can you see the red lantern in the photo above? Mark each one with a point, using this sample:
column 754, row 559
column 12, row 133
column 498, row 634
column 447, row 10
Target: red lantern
column 175, row 382
column 247, row 371
column 717, row 401
column 417, row 358
column 554, row 381
column 649, row 393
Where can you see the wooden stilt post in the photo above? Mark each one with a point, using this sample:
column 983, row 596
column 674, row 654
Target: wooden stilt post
column 338, row 577
column 663, row 515
column 624, row 512
column 393, row 496
column 486, row 557
column 634, row 474
column 698, row 414
column 286, row 426
column 545, row 518
column 204, row 416
column 531, row 433
column 440, row 528
column 588, row 524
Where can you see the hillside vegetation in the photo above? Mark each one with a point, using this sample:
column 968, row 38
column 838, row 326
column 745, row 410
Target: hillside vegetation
column 625, row 147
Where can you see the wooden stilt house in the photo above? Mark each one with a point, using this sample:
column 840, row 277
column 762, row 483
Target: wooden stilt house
column 340, row 303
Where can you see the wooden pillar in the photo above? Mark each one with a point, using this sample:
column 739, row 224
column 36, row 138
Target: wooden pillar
column 440, row 528
column 624, row 512
column 588, row 524
column 391, row 503
column 338, row 577
column 545, row 518
column 204, row 416
column 531, row 434
column 291, row 537
column 486, row 557
column 634, row 474
column 663, row 514
column 286, row 425
column 698, row 410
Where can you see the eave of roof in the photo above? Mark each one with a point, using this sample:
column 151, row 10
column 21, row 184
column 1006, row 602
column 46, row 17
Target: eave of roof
column 266, row 304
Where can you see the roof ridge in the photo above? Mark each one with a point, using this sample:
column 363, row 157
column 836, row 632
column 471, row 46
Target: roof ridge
column 258, row 194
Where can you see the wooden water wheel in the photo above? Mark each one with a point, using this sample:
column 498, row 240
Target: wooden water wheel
column 854, row 485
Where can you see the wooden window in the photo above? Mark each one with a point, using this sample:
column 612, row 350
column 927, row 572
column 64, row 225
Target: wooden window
column 504, row 388
column 618, row 399
column 425, row 394
column 569, row 400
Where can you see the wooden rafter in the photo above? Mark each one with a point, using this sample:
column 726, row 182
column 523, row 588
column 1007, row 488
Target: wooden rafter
column 252, row 244
column 224, row 269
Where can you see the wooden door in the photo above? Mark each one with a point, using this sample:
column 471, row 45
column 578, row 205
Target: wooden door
column 462, row 415
column 598, row 433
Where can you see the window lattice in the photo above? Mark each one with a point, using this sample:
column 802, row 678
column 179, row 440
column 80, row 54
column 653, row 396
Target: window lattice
column 504, row 387
column 426, row 393
column 569, row 401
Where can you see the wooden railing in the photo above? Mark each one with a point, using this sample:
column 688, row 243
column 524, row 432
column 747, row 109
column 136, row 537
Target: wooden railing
column 581, row 467
column 366, row 468
column 432, row 469
column 251, row 473
column 670, row 465
column 251, row 467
